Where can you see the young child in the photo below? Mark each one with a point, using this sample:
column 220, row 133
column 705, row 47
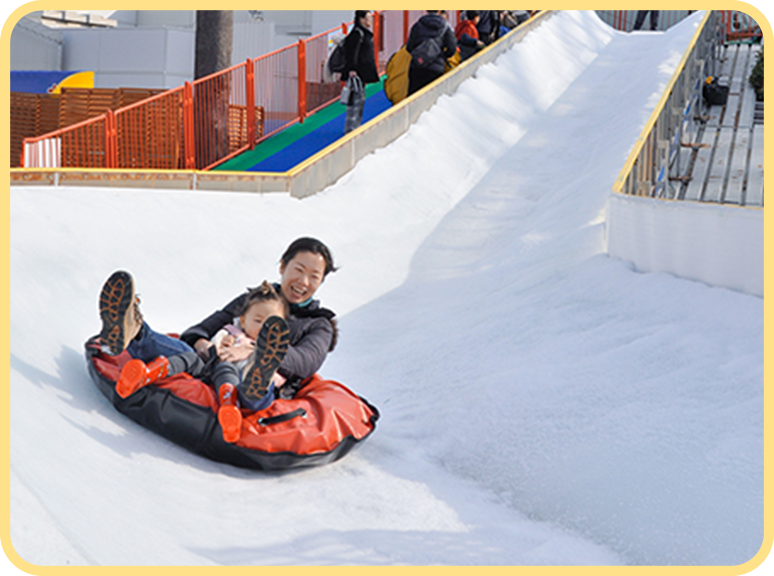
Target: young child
column 247, row 383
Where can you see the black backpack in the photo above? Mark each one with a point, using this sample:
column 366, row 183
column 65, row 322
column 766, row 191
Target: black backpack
column 338, row 59
column 426, row 52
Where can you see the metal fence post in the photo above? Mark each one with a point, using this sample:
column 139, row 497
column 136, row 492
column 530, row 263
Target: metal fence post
column 250, row 101
column 189, row 136
column 111, row 146
column 301, row 81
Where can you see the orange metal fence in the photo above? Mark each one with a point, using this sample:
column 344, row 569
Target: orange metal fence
column 36, row 114
column 740, row 26
column 205, row 122
column 148, row 133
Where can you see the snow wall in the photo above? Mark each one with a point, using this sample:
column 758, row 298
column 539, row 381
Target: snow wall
column 719, row 245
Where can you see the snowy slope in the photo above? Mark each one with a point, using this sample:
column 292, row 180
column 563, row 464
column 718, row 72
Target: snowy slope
column 542, row 403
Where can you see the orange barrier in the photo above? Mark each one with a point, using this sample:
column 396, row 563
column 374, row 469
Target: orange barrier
column 36, row 114
column 740, row 26
column 149, row 133
column 206, row 122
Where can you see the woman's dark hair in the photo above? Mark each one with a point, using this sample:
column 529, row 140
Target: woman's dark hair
column 312, row 245
column 360, row 14
column 264, row 293
column 471, row 14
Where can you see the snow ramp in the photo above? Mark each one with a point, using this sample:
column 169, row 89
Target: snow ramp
column 541, row 403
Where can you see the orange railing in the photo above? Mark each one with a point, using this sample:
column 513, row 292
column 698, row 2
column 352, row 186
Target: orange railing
column 206, row 122
column 740, row 26
column 148, row 133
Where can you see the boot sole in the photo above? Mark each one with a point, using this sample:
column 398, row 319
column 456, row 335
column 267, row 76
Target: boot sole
column 230, row 420
column 115, row 301
column 131, row 378
column 270, row 348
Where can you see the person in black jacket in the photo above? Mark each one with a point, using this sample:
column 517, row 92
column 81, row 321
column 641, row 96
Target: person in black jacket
column 488, row 26
column 431, row 26
column 361, row 62
column 303, row 268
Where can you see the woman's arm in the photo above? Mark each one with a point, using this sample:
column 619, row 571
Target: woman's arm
column 467, row 40
column 208, row 327
column 307, row 355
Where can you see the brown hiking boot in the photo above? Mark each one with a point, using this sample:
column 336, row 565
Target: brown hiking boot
column 119, row 309
column 270, row 348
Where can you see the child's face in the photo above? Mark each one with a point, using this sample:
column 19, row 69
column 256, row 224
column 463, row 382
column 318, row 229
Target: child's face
column 256, row 315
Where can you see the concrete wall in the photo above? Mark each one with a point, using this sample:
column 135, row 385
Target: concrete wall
column 132, row 57
column 719, row 245
column 251, row 39
column 34, row 46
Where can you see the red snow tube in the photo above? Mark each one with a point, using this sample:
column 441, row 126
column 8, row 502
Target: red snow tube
column 322, row 423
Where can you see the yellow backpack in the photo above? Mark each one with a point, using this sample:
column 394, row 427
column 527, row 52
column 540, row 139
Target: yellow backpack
column 396, row 84
column 453, row 61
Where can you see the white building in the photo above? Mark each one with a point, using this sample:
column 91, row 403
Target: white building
column 153, row 48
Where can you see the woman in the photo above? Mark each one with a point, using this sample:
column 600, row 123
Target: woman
column 359, row 53
column 303, row 268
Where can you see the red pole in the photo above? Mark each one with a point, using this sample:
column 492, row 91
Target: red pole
column 189, row 135
column 405, row 26
column 301, row 80
column 250, row 101
column 111, row 152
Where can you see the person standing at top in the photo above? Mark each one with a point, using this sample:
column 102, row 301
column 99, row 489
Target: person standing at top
column 488, row 25
column 361, row 62
column 431, row 41
column 641, row 19
column 467, row 35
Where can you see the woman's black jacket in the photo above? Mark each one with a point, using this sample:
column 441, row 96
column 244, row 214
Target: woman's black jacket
column 359, row 50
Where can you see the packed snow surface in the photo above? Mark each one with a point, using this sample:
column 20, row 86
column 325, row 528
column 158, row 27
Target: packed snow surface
column 541, row 402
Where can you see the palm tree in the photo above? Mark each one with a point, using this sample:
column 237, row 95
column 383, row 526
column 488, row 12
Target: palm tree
column 214, row 38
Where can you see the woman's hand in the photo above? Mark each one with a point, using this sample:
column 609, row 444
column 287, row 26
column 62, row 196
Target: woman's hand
column 202, row 347
column 278, row 380
column 222, row 343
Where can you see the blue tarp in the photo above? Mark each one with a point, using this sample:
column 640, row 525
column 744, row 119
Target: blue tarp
column 38, row 81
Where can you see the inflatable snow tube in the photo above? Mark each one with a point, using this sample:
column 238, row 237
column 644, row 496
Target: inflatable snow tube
column 322, row 423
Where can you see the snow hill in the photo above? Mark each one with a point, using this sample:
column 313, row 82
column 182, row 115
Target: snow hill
column 541, row 402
